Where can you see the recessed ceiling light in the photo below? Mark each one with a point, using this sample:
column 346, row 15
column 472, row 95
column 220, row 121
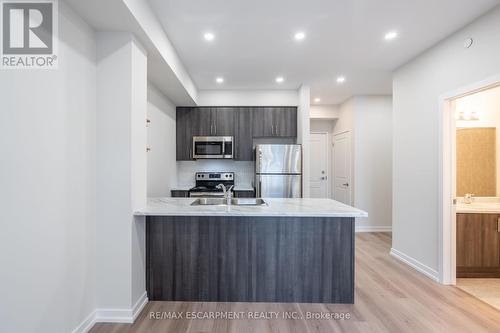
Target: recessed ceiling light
column 300, row 35
column 219, row 80
column 280, row 79
column 391, row 35
column 317, row 99
column 209, row 36
column 341, row 79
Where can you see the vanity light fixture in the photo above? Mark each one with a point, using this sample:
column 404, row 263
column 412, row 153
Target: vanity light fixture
column 467, row 116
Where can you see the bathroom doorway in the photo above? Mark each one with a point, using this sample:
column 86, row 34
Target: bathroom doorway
column 470, row 233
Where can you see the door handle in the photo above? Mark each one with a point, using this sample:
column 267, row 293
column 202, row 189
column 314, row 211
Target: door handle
column 346, row 184
column 498, row 224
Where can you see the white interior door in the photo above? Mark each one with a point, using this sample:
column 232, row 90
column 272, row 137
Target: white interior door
column 318, row 182
column 342, row 167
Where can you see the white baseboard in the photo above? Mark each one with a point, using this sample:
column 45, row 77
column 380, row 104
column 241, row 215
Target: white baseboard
column 113, row 315
column 122, row 315
column 361, row 228
column 86, row 324
column 417, row 265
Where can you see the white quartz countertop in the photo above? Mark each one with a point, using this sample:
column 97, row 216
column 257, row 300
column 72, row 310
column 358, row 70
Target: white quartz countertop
column 274, row 207
column 479, row 208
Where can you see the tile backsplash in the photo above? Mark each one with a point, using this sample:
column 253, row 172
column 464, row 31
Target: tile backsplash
column 244, row 171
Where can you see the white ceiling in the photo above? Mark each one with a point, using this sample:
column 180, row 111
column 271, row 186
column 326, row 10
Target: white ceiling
column 254, row 40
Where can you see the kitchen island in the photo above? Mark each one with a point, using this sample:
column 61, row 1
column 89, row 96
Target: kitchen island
column 289, row 250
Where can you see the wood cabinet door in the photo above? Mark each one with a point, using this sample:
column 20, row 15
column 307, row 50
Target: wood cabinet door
column 224, row 119
column 243, row 145
column 201, row 121
column 285, row 122
column 478, row 241
column 184, row 134
column 263, row 122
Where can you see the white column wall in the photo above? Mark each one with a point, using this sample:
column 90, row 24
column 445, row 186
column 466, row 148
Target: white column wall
column 121, row 171
column 303, row 133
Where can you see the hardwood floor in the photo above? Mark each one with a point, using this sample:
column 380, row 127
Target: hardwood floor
column 390, row 297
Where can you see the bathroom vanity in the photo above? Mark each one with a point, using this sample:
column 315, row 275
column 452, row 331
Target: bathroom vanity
column 478, row 239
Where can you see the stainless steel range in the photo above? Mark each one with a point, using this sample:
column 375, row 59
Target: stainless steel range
column 206, row 184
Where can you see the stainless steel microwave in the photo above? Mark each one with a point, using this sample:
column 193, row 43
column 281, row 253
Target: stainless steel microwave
column 215, row 147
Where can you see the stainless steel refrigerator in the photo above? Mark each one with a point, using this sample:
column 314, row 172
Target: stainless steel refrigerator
column 278, row 171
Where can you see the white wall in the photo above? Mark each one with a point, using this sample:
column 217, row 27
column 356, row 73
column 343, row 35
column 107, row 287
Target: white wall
column 487, row 106
column 247, row 98
column 369, row 119
column 373, row 161
column 416, row 89
column 303, row 133
column 121, row 173
column 324, row 111
column 162, row 165
column 345, row 119
column 47, row 192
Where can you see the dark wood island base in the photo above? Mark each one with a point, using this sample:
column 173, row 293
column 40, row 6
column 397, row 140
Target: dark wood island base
column 250, row 259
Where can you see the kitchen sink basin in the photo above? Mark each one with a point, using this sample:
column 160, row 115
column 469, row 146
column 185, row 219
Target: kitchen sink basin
column 248, row 202
column 209, row 202
column 223, row 202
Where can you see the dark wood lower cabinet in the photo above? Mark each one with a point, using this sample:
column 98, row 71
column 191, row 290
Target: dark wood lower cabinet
column 250, row 259
column 478, row 245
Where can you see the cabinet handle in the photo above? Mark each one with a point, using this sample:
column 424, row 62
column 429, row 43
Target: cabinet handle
column 498, row 225
column 211, row 127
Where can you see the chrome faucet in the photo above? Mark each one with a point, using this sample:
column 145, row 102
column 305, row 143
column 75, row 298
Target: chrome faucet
column 468, row 198
column 228, row 194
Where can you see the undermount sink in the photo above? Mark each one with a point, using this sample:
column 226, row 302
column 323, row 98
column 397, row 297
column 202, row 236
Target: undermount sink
column 223, row 202
column 248, row 202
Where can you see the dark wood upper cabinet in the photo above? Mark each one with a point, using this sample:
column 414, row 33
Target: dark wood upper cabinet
column 223, row 120
column 285, row 122
column 201, row 121
column 275, row 122
column 184, row 133
column 243, row 123
column 243, row 138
